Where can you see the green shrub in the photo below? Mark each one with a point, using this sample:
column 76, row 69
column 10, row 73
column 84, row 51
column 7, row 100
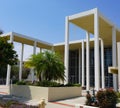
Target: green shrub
column 46, row 83
column 21, row 83
column 107, row 98
column 118, row 94
column 72, row 85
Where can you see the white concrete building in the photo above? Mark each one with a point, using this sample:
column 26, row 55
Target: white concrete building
column 86, row 60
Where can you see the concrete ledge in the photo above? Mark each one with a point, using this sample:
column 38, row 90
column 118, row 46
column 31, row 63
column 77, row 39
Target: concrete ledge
column 4, row 89
column 84, row 106
column 47, row 93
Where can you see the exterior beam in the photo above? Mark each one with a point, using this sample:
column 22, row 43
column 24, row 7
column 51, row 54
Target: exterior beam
column 8, row 66
column 79, row 65
column 102, row 64
column 34, row 52
column 87, row 62
column 66, row 59
column 114, row 62
column 83, row 64
column 21, row 62
column 96, row 51
column 118, row 48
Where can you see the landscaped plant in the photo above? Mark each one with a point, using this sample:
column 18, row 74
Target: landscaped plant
column 48, row 66
column 7, row 55
column 14, row 104
column 107, row 98
column 47, row 84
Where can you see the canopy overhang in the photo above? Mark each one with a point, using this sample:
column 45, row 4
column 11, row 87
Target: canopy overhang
column 28, row 40
column 85, row 20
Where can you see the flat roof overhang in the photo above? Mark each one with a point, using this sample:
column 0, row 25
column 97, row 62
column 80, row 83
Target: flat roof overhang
column 73, row 45
column 85, row 20
column 28, row 40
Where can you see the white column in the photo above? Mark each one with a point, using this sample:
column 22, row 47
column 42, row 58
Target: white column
column 8, row 66
column 102, row 64
column 96, row 51
column 83, row 64
column 21, row 62
column 52, row 48
column 79, row 65
column 87, row 62
column 34, row 52
column 40, row 50
column 118, row 48
column 114, row 63
column 66, row 59
column 34, row 48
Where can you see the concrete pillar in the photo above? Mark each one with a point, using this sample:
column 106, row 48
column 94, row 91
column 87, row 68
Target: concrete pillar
column 66, row 59
column 118, row 48
column 40, row 50
column 52, row 48
column 87, row 62
column 8, row 66
column 114, row 63
column 102, row 64
column 83, row 84
column 34, row 47
column 79, row 65
column 21, row 62
column 34, row 52
column 96, row 51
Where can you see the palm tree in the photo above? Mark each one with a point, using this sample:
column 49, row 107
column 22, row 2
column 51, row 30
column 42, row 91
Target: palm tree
column 48, row 66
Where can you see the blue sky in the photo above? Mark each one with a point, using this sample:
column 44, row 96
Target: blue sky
column 45, row 19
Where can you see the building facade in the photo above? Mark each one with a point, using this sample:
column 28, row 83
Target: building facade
column 87, row 60
column 74, row 66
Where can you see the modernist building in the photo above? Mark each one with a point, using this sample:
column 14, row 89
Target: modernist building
column 86, row 60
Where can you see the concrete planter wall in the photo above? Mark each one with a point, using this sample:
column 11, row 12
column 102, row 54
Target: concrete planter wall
column 47, row 93
column 84, row 106
column 4, row 89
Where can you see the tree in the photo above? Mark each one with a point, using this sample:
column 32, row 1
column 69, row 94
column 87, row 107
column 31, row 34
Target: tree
column 48, row 66
column 7, row 55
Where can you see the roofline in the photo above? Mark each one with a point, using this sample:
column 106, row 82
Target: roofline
column 27, row 37
column 90, row 12
column 82, row 14
column 74, row 42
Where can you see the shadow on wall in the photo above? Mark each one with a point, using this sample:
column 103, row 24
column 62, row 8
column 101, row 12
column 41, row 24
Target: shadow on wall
column 21, row 91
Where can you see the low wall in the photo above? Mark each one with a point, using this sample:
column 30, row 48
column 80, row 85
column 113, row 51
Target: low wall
column 4, row 89
column 84, row 106
column 57, row 93
column 47, row 93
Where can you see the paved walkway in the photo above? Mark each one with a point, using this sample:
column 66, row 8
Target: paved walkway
column 68, row 103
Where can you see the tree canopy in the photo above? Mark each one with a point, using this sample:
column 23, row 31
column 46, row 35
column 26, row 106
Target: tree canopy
column 48, row 66
column 7, row 53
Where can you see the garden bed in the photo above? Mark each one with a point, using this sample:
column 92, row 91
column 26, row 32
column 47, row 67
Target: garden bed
column 47, row 93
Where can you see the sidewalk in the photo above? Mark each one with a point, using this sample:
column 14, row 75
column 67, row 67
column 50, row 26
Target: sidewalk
column 68, row 103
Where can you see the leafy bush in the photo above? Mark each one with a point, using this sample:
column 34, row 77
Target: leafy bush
column 107, row 98
column 14, row 104
column 21, row 83
column 46, row 83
